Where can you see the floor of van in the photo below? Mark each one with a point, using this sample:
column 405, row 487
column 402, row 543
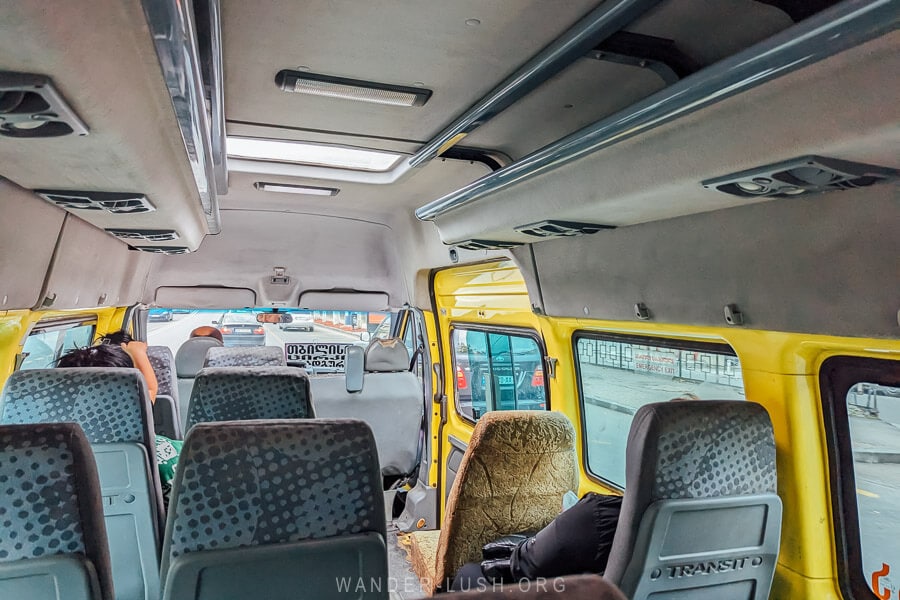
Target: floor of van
column 403, row 584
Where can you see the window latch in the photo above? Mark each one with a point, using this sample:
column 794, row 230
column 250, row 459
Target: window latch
column 550, row 362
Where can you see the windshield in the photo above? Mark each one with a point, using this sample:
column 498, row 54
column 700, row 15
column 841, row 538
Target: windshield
column 316, row 340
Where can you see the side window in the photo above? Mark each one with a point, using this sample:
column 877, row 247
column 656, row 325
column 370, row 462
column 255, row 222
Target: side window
column 497, row 371
column 43, row 347
column 873, row 412
column 863, row 413
column 616, row 376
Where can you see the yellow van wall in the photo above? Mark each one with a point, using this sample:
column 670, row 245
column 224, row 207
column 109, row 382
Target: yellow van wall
column 780, row 372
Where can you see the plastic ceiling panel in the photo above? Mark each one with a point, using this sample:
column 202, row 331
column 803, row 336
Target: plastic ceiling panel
column 28, row 233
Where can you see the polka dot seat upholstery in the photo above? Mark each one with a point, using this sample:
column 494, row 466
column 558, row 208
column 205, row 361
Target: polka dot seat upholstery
column 271, row 485
column 700, row 478
column 51, row 516
column 166, row 415
column 113, row 408
column 242, row 393
column 261, row 356
column 110, row 404
column 163, row 362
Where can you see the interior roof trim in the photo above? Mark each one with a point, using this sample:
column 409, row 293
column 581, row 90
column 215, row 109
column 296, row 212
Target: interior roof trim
column 593, row 28
column 174, row 37
column 825, row 34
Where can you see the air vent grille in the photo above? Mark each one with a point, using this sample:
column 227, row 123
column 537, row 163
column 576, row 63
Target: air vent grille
column 112, row 202
column 145, row 235
column 163, row 249
column 487, row 245
column 801, row 176
column 547, row 229
column 31, row 107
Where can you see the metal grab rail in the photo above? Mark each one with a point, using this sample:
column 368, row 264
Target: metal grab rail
column 829, row 32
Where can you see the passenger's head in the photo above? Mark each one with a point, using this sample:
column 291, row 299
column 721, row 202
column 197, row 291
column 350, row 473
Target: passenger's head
column 104, row 355
column 207, row 331
column 116, row 338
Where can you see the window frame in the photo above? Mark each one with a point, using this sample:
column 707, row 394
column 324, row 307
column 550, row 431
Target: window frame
column 506, row 330
column 62, row 325
column 837, row 375
column 660, row 342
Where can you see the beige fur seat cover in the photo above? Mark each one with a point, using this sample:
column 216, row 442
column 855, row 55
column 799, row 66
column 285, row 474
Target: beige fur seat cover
column 517, row 468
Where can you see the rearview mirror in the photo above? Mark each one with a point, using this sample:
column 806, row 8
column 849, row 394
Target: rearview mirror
column 274, row 318
column 365, row 336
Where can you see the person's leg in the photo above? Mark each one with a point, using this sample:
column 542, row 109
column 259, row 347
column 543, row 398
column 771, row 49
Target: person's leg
column 469, row 577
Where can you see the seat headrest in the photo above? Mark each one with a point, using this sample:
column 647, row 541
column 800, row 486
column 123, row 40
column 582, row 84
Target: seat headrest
column 243, row 393
column 387, row 356
column 190, row 356
column 110, row 403
column 163, row 362
column 260, row 356
column 329, row 485
column 522, row 430
column 700, row 449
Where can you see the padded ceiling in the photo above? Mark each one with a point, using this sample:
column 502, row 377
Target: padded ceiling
column 389, row 41
column 318, row 253
column 835, row 108
column 100, row 56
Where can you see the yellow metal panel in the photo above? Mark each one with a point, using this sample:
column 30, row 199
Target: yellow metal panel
column 15, row 325
column 780, row 372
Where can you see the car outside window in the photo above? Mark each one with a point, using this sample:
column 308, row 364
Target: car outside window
column 497, row 371
column 618, row 376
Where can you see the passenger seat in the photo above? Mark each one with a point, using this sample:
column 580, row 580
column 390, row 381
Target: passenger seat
column 700, row 515
column 112, row 407
column 262, row 356
column 53, row 545
column 244, row 393
column 166, row 416
column 381, row 391
column 188, row 361
column 276, row 509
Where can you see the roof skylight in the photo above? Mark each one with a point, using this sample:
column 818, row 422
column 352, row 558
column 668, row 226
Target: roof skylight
column 340, row 157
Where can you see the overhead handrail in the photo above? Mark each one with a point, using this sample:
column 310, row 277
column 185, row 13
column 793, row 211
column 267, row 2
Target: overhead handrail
column 171, row 24
column 827, row 33
column 596, row 26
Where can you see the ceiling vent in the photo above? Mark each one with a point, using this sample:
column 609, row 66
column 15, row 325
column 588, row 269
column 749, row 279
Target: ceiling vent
column 30, row 107
column 486, row 245
column 548, row 229
column 113, row 202
column 801, row 176
column 145, row 235
column 163, row 249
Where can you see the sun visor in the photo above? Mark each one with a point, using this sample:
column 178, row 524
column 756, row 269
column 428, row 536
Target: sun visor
column 349, row 300
column 204, row 297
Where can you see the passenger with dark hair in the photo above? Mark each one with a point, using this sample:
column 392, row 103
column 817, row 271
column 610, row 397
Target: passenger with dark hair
column 120, row 350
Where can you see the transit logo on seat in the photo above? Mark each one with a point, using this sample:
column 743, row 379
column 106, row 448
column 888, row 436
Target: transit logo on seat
column 708, row 567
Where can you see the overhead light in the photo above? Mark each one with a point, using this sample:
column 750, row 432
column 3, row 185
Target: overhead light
column 285, row 188
column 351, row 89
column 306, row 153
